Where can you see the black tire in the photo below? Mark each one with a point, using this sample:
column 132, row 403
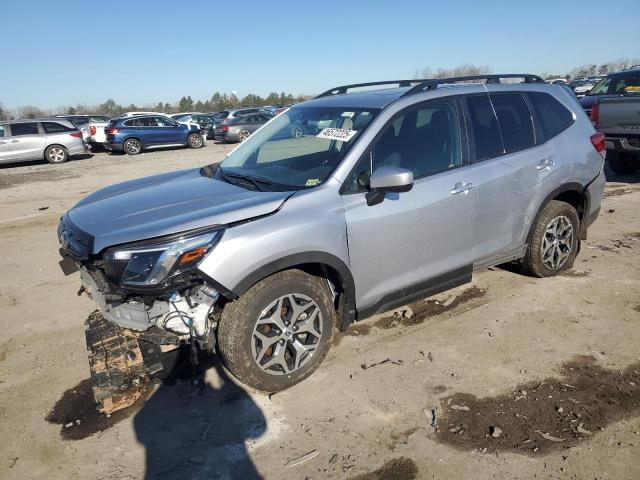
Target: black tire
column 132, row 146
column 535, row 263
column 236, row 341
column 56, row 154
column 622, row 163
column 195, row 140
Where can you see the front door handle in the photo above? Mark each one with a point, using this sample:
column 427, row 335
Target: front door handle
column 15, row 141
column 546, row 163
column 461, row 187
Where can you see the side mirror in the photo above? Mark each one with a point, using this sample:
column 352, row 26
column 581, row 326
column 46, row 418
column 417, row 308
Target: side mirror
column 388, row 179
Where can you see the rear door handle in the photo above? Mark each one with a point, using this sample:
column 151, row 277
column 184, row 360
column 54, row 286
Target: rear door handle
column 546, row 163
column 461, row 187
column 15, row 141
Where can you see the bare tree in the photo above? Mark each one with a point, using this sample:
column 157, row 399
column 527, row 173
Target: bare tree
column 459, row 71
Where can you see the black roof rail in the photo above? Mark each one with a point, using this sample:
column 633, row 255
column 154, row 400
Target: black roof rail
column 492, row 79
column 344, row 88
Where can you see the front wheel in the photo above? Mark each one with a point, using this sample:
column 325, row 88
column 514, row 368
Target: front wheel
column 56, row 154
column 195, row 140
column 554, row 244
column 279, row 331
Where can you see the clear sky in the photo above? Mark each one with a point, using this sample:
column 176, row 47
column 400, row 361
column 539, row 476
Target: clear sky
column 59, row 53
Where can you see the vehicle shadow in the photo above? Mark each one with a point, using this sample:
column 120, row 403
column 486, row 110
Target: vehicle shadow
column 199, row 431
column 30, row 163
column 614, row 177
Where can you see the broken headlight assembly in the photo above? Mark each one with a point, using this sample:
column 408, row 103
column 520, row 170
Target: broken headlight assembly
column 148, row 264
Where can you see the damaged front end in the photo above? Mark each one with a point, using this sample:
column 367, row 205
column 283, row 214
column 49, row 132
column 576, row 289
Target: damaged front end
column 152, row 301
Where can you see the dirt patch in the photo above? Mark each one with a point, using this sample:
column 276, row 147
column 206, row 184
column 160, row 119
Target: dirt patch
column 431, row 308
column 636, row 307
column 78, row 417
column 541, row 417
column 614, row 192
column 576, row 273
column 15, row 179
column 400, row 468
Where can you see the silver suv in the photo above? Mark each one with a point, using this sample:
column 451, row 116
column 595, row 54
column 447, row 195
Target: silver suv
column 341, row 207
column 54, row 140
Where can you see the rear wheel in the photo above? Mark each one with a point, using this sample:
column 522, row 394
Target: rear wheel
column 132, row 146
column 244, row 134
column 195, row 140
column 554, row 244
column 279, row 331
column 623, row 163
column 56, row 154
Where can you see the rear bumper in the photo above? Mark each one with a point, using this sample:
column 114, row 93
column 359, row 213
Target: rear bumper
column 77, row 149
column 623, row 144
column 116, row 147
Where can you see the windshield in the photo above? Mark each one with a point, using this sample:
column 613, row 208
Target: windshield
column 617, row 84
column 299, row 148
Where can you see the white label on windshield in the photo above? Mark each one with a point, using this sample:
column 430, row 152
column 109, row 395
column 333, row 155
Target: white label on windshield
column 341, row 134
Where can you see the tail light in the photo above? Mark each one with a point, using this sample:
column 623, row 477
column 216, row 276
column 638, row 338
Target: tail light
column 92, row 129
column 112, row 131
column 599, row 142
column 225, row 128
column 595, row 113
column 76, row 134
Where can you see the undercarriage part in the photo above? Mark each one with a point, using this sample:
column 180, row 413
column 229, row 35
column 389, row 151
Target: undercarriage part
column 118, row 373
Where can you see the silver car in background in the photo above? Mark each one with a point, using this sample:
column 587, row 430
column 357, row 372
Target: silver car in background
column 51, row 139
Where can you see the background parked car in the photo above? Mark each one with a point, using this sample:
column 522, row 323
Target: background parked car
column 581, row 87
column 54, row 140
column 235, row 112
column 134, row 134
column 138, row 114
column 81, row 122
column 238, row 129
column 205, row 121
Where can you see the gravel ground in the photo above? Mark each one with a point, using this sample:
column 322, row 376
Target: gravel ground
column 509, row 377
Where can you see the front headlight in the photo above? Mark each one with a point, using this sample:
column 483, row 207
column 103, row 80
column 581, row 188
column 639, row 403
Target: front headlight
column 146, row 265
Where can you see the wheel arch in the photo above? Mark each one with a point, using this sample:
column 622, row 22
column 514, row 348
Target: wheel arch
column 134, row 137
column 572, row 193
column 47, row 147
column 318, row 263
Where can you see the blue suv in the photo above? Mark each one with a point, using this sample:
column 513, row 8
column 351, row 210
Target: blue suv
column 134, row 134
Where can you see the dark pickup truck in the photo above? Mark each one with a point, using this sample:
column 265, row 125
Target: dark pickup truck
column 614, row 108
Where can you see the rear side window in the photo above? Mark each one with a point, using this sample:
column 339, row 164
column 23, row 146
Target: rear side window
column 55, row 127
column 552, row 117
column 484, row 127
column 18, row 129
column 515, row 121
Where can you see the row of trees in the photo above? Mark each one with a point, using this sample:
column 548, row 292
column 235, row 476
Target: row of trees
column 218, row 101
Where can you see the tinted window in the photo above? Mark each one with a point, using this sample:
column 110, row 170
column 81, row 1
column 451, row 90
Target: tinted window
column 484, row 127
column 425, row 140
column 99, row 118
column 618, row 84
column 54, row 127
column 1, row 131
column 24, row 129
column 552, row 117
column 515, row 121
column 223, row 114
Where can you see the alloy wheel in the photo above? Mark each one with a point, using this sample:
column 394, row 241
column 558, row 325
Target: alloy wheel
column 244, row 135
column 195, row 141
column 557, row 243
column 132, row 147
column 56, row 154
column 286, row 334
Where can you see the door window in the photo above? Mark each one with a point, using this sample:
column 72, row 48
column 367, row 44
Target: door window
column 484, row 127
column 515, row 121
column 162, row 122
column 552, row 117
column 424, row 139
column 18, row 129
column 2, row 134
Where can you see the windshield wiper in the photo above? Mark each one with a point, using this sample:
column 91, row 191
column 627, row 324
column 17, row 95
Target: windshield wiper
column 255, row 181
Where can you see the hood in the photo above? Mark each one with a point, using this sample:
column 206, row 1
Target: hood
column 166, row 204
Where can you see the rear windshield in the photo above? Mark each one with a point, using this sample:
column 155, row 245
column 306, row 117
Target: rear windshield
column 618, row 84
column 223, row 114
column 55, row 127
